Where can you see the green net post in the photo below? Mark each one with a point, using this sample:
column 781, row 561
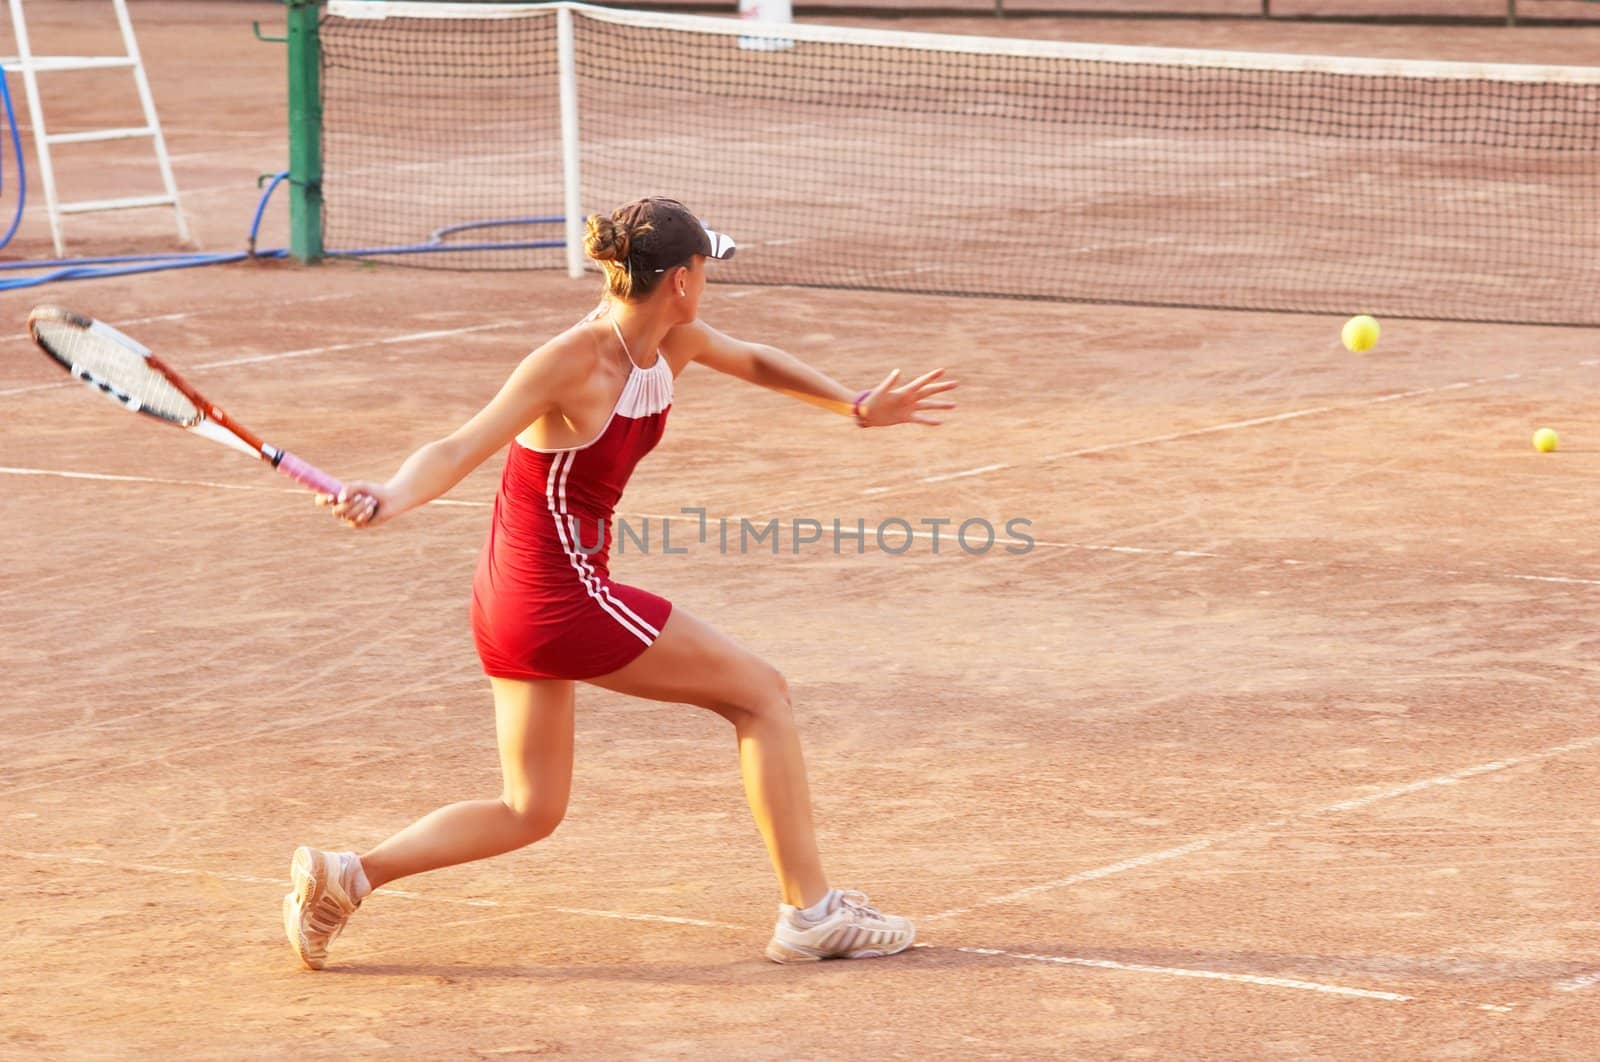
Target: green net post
column 305, row 131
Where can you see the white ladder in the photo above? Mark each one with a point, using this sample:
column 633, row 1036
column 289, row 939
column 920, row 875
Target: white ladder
column 30, row 66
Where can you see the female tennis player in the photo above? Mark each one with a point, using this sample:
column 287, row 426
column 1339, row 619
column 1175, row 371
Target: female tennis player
column 579, row 413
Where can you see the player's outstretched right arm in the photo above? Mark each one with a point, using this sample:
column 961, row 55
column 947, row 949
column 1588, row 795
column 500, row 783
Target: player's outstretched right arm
column 542, row 384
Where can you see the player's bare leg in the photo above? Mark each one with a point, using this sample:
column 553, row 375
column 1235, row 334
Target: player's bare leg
column 534, row 723
column 693, row 663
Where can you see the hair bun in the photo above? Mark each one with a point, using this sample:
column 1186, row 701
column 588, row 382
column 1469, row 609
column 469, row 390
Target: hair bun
column 606, row 241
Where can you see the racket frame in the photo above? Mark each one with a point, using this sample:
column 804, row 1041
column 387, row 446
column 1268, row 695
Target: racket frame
column 211, row 420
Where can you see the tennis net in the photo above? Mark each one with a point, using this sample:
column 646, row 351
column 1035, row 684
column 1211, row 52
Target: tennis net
column 964, row 165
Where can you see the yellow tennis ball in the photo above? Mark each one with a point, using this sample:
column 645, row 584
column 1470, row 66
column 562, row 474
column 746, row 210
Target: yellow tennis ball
column 1360, row 333
column 1545, row 440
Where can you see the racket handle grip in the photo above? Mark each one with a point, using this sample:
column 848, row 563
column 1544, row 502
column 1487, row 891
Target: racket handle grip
column 308, row 475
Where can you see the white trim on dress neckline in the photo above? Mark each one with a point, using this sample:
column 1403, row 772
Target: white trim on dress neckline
column 650, row 389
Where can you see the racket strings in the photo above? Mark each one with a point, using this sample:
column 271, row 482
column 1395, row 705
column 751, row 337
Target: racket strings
column 123, row 374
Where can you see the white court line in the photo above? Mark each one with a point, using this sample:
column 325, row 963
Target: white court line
column 1232, row 425
column 171, row 131
column 673, row 919
column 210, row 308
column 1577, row 984
column 1204, row 843
column 227, row 153
column 1148, row 551
column 1564, row 580
column 143, row 868
column 1568, row 580
column 6, row 470
column 304, row 352
column 410, row 337
column 1209, row 975
column 271, row 730
column 111, row 478
column 149, row 868
column 240, row 188
column 853, row 278
column 760, row 289
column 186, row 130
column 1096, row 248
column 981, row 470
column 1129, row 444
column 254, row 307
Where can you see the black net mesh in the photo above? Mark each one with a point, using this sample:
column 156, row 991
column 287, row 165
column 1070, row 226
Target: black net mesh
column 442, row 141
column 897, row 168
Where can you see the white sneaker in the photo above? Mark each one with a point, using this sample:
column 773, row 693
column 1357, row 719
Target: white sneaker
column 319, row 905
column 852, row 929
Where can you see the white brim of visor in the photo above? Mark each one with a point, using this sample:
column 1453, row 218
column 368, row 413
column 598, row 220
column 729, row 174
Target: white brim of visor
column 721, row 246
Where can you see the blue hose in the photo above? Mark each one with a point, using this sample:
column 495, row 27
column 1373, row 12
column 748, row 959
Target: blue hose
column 109, row 260
column 437, row 239
column 125, row 265
column 128, row 264
column 16, row 148
column 261, row 208
column 84, row 272
column 436, row 248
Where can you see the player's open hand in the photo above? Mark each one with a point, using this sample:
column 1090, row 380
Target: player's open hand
column 908, row 403
column 360, row 505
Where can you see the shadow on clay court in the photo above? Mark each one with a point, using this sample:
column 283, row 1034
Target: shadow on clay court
column 1461, row 970
column 735, row 972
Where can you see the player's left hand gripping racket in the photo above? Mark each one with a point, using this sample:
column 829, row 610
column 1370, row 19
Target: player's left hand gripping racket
column 127, row 373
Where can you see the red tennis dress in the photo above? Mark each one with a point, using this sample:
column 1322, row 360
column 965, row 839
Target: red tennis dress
column 543, row 603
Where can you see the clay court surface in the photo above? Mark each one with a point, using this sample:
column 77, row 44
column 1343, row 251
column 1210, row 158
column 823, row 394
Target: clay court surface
column 1280, row 742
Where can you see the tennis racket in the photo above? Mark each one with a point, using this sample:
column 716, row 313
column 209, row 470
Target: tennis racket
column 127, row 373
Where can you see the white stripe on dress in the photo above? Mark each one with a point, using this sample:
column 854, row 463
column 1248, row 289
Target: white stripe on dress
column 573, row 556
column 583, row 560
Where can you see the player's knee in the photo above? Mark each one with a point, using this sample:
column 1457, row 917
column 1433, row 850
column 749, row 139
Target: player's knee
column 769, row 697
column 536, row 814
